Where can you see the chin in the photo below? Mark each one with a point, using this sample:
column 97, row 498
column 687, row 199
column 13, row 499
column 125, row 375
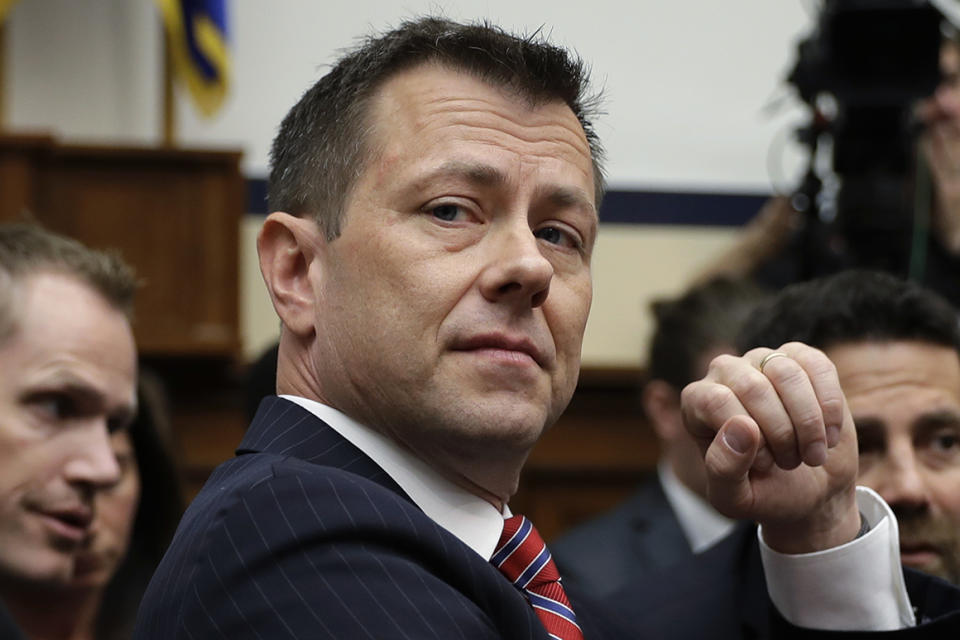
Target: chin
column 93, row 570
column 513, row 427
column 45, row 568
column 521, row 421
column 95, row 580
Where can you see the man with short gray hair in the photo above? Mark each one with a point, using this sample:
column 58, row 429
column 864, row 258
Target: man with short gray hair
column 68, row 371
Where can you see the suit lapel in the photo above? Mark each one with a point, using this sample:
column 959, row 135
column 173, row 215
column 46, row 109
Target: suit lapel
column 660, row 539
column 284, row 428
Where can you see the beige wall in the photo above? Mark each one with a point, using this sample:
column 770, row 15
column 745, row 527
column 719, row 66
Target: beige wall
column 632, row 265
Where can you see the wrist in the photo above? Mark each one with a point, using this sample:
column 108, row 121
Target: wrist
column 835, row 523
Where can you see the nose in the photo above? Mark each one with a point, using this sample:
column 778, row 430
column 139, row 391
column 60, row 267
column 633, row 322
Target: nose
column 92, row 461
column 516, row 271
column 899, row 480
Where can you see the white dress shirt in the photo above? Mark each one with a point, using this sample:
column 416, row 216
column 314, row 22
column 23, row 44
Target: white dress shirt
column 701, row 523
column 858, row 585
column 476, row 522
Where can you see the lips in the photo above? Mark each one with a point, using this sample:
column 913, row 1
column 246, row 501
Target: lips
column 70, row 523
column 918, row 553
column 502, row 342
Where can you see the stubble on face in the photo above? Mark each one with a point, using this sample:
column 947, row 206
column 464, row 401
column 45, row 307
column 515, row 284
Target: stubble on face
column 905, row 399
column 451, row 310
column 938, row 534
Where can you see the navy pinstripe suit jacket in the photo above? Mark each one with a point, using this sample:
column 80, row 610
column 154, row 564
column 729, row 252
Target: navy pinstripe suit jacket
column 303, row 536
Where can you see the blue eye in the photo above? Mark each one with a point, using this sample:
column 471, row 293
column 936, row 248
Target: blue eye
column 557, row 236
column 446, row 212
column 550, row 234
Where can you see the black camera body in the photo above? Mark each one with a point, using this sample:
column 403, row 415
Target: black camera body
column 862, row 70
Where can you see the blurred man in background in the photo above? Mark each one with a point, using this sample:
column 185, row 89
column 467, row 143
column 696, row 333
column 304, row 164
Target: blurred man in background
column 896, row 347
column 67, row 393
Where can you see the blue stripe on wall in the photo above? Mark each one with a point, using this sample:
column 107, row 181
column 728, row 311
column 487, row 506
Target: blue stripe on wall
column 257, row 196
column 679, row 208
column 629, row 207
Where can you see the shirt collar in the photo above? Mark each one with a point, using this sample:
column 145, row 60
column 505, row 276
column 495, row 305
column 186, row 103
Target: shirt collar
column 701, row 523
column 473, row 520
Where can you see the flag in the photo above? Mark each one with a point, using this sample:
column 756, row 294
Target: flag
column 197, row 39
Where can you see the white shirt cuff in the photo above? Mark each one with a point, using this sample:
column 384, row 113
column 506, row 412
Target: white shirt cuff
column 857, row 586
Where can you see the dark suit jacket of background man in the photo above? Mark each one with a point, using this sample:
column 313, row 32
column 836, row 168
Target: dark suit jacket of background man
column 639, row 536
column 8, row 629
column 726, row 588
column 300, row 505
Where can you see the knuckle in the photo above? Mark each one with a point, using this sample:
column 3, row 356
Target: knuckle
column 722, row 364
column 800, row 350
column 750, row 386
column 715, row 399
column 791, row 374
column 808, row 421
column 814, row 361
column 756, row 353
column 832, row 408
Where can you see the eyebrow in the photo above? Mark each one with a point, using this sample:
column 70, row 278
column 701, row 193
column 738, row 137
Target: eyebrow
column 476, row 173
column 873, row 427
column 870, row 429
column 936, row 420
column 563, row 197
column 485, row 175
column 870, row 424
column 70, row 384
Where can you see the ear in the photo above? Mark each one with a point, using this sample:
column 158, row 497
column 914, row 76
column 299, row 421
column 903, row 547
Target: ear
column 661, row 404
column 287, row 246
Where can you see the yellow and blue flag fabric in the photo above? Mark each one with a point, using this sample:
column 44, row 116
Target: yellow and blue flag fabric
column 197, row 37
column 5, row 7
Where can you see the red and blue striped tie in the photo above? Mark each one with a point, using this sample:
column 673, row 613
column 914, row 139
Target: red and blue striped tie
column 525, row 560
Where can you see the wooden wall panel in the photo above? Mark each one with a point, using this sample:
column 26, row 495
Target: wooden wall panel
column 173, row 214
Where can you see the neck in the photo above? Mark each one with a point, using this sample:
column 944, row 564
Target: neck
column 51, row 614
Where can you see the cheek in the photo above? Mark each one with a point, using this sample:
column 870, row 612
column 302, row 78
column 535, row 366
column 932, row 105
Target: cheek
column 119, row 509
column 29, row 470
column 567, row 317
column 946, row 493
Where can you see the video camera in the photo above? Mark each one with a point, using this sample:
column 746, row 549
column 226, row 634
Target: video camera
column 862, row 70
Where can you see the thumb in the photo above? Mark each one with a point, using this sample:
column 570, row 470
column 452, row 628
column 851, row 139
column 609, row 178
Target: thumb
column 728, row 462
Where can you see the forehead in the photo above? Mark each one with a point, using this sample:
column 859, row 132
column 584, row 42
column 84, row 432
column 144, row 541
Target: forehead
column 432, row 110
column 898, row 376
column 64, row 329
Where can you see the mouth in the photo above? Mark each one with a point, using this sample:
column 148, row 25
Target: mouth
column 918, row 554
column 504, row 348
column 70, row 524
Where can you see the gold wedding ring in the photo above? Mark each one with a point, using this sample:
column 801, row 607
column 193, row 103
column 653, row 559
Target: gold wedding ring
column 770, row 356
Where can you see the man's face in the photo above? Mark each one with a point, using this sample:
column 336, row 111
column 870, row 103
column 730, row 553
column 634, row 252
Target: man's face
column 905, row 400
column 115, row 509
column 66, row 380
column 451, row 310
